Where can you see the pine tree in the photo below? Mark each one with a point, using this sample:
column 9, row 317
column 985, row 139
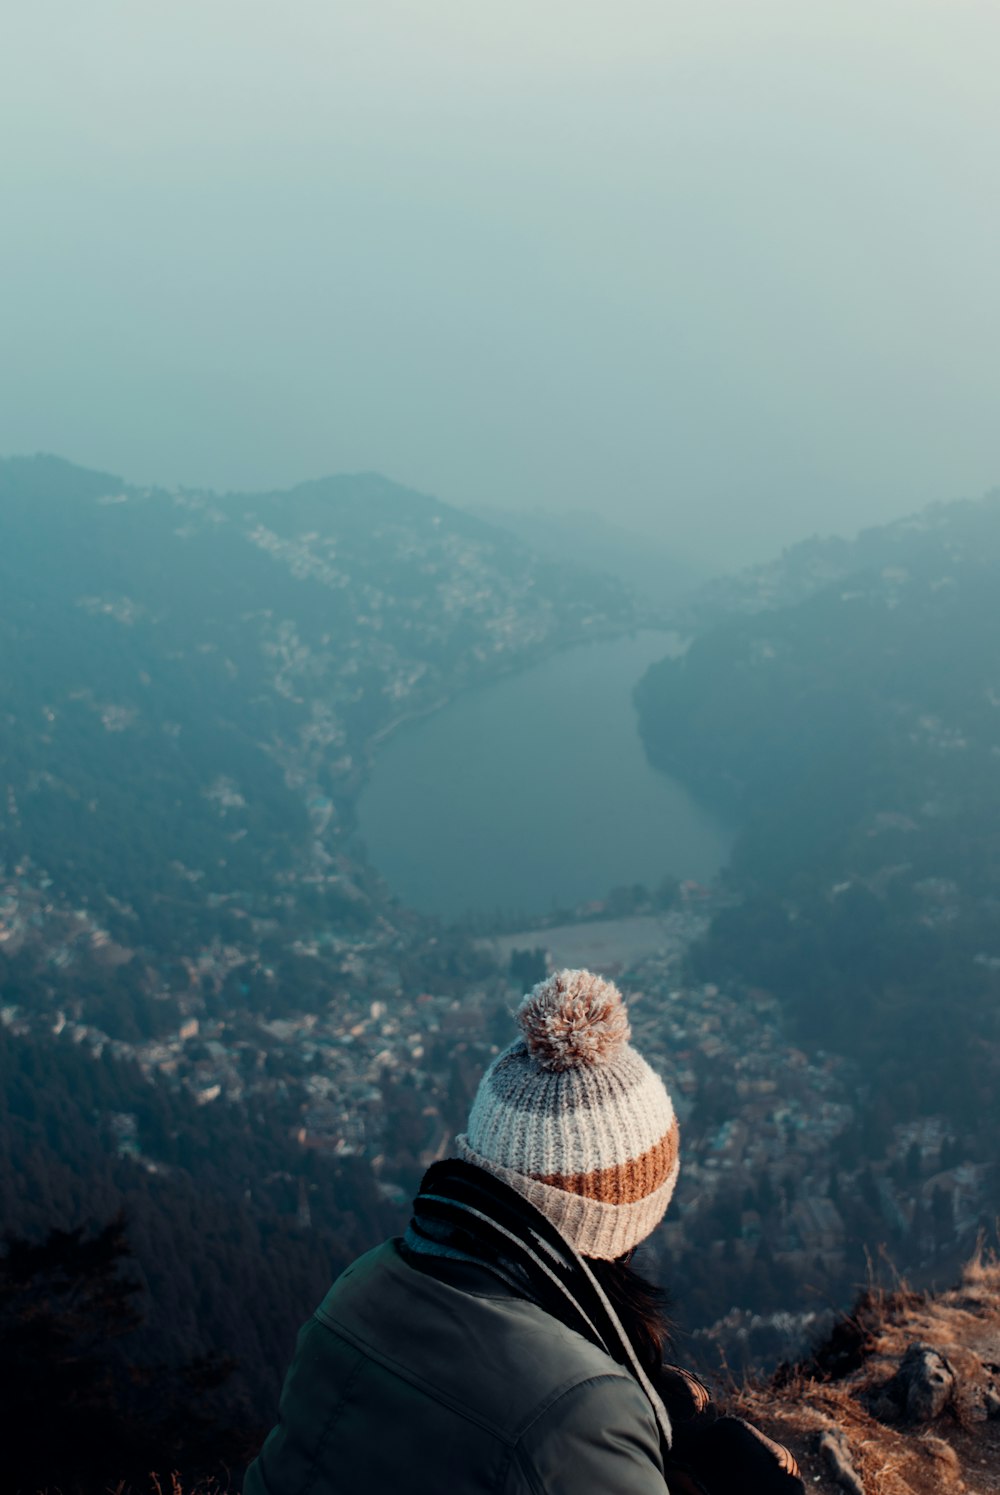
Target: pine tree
column 81, row 1410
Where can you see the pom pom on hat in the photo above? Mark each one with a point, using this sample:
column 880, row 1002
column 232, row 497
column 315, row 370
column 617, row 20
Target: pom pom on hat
column 572, row 1020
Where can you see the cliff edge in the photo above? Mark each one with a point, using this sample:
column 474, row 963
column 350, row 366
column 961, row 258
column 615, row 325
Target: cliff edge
column 902, row 1399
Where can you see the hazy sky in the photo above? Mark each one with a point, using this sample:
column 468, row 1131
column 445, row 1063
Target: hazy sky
column 725, row 271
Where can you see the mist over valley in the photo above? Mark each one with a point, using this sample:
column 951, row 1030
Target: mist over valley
column 219, row 1008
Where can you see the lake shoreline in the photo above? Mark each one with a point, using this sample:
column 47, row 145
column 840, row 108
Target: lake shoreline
column 512, row 668
column 513, row 772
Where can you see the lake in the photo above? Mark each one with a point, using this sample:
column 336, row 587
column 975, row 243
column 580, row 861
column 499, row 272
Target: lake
column 533, row 792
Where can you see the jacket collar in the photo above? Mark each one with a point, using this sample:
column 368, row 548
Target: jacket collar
column 464, row 1212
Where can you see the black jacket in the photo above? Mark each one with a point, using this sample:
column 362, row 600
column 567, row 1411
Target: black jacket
column 480, row 1354
column 405, row 1382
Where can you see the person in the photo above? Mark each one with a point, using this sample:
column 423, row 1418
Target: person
column 505, row 1343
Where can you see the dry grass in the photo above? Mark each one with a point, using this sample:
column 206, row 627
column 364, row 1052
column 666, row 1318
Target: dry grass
column 959, row 1453
column 170, row 1484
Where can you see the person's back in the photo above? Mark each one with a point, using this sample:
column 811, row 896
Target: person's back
column 404, row 1379
column 482, row 1352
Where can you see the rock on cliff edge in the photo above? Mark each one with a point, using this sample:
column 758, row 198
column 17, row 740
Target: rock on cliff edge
column 902, row 1399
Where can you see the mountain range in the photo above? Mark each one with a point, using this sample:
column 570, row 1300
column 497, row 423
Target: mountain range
column 218, row 1022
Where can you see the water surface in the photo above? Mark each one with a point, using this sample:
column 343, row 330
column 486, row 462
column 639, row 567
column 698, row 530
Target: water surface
column 534, row 792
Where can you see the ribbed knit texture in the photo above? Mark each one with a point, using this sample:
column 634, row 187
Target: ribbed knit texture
column 575, row 1120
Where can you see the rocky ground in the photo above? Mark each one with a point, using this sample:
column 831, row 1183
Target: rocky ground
column 903, row 1399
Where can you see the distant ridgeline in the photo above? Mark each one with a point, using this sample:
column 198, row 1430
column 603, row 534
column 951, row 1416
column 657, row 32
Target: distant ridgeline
column 843, row 705
column 191, row 682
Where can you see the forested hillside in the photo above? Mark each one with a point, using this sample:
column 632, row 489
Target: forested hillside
column 803, row 569
column 192, row 681
column 855, row 738
column 212, row 1199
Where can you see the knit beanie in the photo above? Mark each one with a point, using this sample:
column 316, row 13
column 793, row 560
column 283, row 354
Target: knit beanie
column 575, row 1120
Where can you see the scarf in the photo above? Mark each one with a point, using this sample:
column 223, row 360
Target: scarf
column 465, row 1213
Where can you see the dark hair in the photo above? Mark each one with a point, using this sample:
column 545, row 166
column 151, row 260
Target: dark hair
column 641, row 1306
